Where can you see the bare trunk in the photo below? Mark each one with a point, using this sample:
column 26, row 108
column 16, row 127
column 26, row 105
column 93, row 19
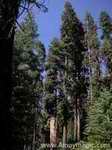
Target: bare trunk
column 8, row 13
column 34, row 139
column 75, row 123
column 65, row 134
column 90, row 69
column 53, row 131
column 66, row 96
column 5, row 91
column 78, row 120
column 70, row 127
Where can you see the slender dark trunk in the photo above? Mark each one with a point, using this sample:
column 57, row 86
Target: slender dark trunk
column 34, row 138
column 8, row 13
column 75, row 121
column 78, row 120
column 71, row 127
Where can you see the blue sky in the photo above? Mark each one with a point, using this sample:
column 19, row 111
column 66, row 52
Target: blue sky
column 49, row 23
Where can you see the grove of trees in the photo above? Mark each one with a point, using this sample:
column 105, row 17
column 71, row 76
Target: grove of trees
column 63, row 97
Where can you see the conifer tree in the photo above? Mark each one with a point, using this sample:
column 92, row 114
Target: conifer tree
column 106, row 26
column 99, row 119
column 72, row 38
column 9, row 12
column 52, row 86
column 93, row 55
column 98, row 128
column 28, row 62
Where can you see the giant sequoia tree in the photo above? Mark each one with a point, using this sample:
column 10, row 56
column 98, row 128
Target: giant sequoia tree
column 9, row 11
column 52, row 86
column 24, row 116
column 72, row 38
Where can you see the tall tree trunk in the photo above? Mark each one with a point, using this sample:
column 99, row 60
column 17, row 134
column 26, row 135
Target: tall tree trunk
column 5, row 91
column 64, row 134
column 66, row 96
column 70, row 127
column 34, row 138
column 53, row 131
column 78, row 120
column 8, row 13
column 75, row 122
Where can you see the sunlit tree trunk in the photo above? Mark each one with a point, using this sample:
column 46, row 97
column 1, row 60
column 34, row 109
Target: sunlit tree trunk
column 77, row 120
column 53, row 131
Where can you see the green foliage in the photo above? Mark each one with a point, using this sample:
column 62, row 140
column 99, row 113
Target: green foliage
column 106, row 50
column 72, row 42
column 64, row 82
column 92, row 59
column 63, row 112
column 99, row 128
column 94, row 146
column 51, row 83
column 106, row 24
column 98, row 125
column 28, row 65
column 26, row 36
column 91, row 32
column 72, row 38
